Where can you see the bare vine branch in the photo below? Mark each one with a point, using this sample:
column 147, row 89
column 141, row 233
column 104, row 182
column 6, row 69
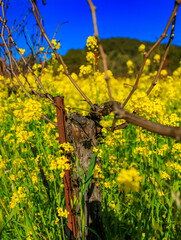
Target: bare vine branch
column 21, row 23
column 113, row 106
column 40, row 37
column 11, row 58
column 164, row 35
column 9, row 53
column 135, row 86
column 103, row 55
column 44, row 61
column 25, row 62
column 173, row 132
column 50, row 121
column 164, row 56
column 27, row 41
column 59, row 57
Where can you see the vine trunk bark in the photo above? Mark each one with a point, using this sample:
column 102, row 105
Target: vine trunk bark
column 82, row 133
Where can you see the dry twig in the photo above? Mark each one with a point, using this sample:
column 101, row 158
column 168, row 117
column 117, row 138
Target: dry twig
column 11, row 58
column 59, row 57
column 25, row 62
column 165, row 54
column 103, row 55
column 44, row 61
column 164, row 35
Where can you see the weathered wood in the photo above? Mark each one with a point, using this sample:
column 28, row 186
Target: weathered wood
column 68, row 187
column 83, row 133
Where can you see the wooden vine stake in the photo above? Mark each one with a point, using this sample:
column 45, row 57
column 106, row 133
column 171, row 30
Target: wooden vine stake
column 68, row 187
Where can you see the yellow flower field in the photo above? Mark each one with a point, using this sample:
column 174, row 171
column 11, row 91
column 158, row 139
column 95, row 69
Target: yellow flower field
column 140, row 172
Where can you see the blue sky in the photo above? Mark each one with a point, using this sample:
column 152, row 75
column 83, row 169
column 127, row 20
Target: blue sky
column 140, row 19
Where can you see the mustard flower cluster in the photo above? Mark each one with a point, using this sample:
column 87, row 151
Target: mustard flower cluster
column 112, row 205
column 19, row 196
column 50, row 134
column 163, row 73
column 23, row 135
column 62, row 213
column 146, row 107
column 28, row 111
column 164, row 175
column 90, row 56
column 141, row 48
column 97, row 171
column 175, row 166
column 21, row 50
column 91, row 43
column 147, row 66
column 129, row 179
column 98, row 150
column 61, row 69
column 41, row 49
column 92, row 53
column 36, row 66
column 130, row 67
column 2, row 165
column 177, row 72
column 176, row 149
column 85, row 70
column 60, row 163
column 56, row 45
column 67, row 147
column 34, row 177
column 156, row 58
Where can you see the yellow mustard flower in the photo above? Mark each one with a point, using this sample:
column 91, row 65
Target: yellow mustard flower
column 129, row 179
column 18, row 196
column 163, row 73
column 164, row 175
column 129, row 64
column 85, row 70
column 67, row 147
column 41, row 49
column 62, row 213
column 54, row 42
column 156, row 58
column 97, row 171
column 56, row 45
column 21, row 50
column 90, row 57
column 2, row 163
column 91, row 43
column 141, row 48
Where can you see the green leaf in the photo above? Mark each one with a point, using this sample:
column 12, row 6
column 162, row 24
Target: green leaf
column 30, row 224
column 94, row 233
column 20, row 107
column 1, row 220
column 13, row 212
column 9, row 112
column 22, row 225
column 90, row 172
column 176, row 186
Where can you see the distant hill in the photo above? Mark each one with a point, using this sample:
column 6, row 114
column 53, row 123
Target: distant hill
column 119, row 51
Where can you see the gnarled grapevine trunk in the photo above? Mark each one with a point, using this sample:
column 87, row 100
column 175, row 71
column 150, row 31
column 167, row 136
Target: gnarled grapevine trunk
column 82, row 133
